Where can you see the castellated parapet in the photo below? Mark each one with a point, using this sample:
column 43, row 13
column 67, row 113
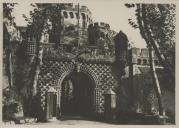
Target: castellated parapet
column 99, row 31
column 70, row 15
column 101, row 25
column 141, row 56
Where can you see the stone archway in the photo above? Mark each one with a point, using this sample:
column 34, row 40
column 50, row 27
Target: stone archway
column 77, row 95
column 68, row 74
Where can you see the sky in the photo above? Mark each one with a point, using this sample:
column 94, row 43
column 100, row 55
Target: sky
column 114, row 13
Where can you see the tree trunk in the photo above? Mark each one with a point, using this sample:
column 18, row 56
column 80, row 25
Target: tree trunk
column 163, row 60
column 9, row 68
column 38, row 62
column 155, row 80
column 145, row 34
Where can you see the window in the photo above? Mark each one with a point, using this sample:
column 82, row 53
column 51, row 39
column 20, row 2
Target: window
column 83, row 16
column 65, row 14
column 139, row 61
column 77, row 16
column 71, row 15
column 144, row 62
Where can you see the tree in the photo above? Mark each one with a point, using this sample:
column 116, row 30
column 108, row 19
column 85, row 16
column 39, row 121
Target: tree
column 39, row 18
column 156, row 23
column 160, row 22
column 11, row 43
column 8, row 20
column 38, row 24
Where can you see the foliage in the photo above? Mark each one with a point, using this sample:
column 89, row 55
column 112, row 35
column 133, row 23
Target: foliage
column 38, row 20
column 161, row 19
column 144, row 93
column 7, row 10
column 14, row 60
column 8, row 20
column 11, row 102
column 156, row 23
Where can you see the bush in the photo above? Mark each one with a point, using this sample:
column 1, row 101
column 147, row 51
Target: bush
column 9, row 111
column 10, row 105
column 171, row 116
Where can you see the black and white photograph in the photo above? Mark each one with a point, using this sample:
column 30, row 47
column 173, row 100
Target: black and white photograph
column 90, row 62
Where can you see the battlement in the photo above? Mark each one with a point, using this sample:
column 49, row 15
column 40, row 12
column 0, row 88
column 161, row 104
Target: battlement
column 143, row 52
column 100, row 25
column 72, row 7
column 67, row 6
column 141, row 56
column 71, row 15
column 98, row 31
column 82, row 9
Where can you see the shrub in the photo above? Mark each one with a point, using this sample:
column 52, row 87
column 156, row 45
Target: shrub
column 10, row 106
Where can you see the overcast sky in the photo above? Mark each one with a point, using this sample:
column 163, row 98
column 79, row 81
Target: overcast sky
column 114, row 13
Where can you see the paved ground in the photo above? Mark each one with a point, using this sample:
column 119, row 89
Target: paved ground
column 74, row 121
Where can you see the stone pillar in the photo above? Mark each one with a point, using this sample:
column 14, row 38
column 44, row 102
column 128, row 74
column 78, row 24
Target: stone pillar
column 97, row 96
column 131, row 88
column 58, row 112
column 110, row 105
column 50, row 102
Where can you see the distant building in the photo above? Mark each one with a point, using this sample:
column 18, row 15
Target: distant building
column 141, row 57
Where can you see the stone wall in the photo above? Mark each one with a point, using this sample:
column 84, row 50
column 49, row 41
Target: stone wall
column 141, row 57
column 100, row 34
column 70, row 15
column 52, row 73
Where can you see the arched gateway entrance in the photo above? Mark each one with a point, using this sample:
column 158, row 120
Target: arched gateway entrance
column 77, row 96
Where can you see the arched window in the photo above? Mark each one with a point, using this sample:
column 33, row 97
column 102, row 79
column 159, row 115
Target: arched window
column 144, row 62
column 77, row 16
column 83, row 16
column 139, row 61
column 65, row 14
column 71, row 15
